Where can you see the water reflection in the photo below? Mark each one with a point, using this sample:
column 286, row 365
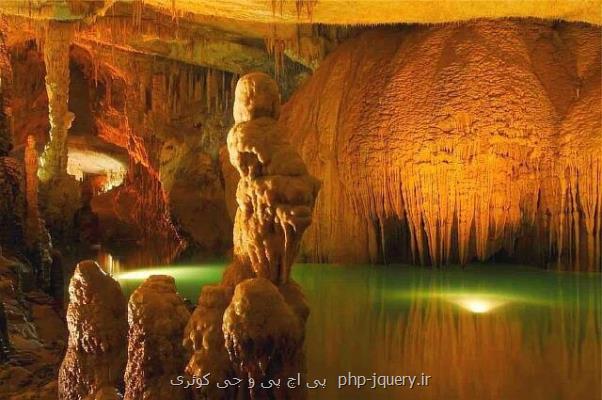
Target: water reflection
column 481, row 333
column 514, row 335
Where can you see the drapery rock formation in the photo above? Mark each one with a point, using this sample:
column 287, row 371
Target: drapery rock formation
column 95, row 361
column 448, row 143
column 157, row 317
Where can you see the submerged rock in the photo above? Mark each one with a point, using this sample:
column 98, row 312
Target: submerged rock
column 157, row 316
column 96, row 320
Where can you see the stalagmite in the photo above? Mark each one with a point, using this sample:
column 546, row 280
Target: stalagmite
column 275, row 194
column 263, row 335
column 31, row 187
column 96, row 319
column 205, row 340
column 157, row 317
column 262, row 325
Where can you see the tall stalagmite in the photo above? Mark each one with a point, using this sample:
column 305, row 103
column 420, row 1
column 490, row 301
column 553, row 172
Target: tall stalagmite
column 96, row 352
column 440, row 140
column 275, row 193
column 31, row 187
column 258, row 314
column 157, row 316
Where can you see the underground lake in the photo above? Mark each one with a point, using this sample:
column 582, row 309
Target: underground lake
column 480, row 332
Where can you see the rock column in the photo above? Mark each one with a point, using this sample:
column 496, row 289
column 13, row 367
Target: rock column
column 263, row 326
column 94, row 364
column 157, row 317
column 56, row 58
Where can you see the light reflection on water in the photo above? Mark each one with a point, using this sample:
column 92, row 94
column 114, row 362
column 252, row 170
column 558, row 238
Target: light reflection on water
column 482, row 333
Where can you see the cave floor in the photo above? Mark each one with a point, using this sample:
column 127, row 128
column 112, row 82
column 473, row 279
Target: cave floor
column 482, row 332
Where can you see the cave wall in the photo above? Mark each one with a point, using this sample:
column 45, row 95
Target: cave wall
column 456, row 142
column 171, row 117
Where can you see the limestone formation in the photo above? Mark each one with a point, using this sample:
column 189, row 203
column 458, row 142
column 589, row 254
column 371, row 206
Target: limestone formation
column 275, row 194
column 31, row 187
column 258, row 332
column 157, row 317
column 37, row 239
column 263, row 335
column 447, row 147
column 56, row 58
column 204, row 339
column 96, row 319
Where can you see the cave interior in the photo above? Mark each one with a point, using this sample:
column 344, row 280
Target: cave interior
column 432, row 169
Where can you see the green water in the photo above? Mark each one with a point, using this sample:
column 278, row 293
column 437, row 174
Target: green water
column 484, row 332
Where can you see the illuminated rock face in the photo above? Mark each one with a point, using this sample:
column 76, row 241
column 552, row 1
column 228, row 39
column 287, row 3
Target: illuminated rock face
column 452, row 143
column 96, row 319
column 157, row 316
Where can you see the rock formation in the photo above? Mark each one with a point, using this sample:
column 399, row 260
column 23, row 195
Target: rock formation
column 275, row 194
column 257, row 333
column 37, row 336
column 204, row 339
column 31, row 187
column 56, row 59
column 264, row 337
column 37, row 239
column 96, row 352
column 157, row 317
column 441, row 144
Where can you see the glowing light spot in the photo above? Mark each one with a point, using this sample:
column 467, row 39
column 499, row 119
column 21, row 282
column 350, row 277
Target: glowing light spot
column 142, row 274
column 478, row 304
column 82, row 162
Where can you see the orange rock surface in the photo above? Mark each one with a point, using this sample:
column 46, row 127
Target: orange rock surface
column 470, row 140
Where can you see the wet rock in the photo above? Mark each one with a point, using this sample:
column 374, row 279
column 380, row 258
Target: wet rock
column 262, row 332
column 204, row 339
column 96, row 320
column 157, row 317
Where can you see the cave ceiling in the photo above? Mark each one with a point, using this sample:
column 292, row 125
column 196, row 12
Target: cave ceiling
column 240, row 36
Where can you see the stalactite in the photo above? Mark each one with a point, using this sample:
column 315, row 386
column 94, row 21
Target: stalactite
column 276, row 48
